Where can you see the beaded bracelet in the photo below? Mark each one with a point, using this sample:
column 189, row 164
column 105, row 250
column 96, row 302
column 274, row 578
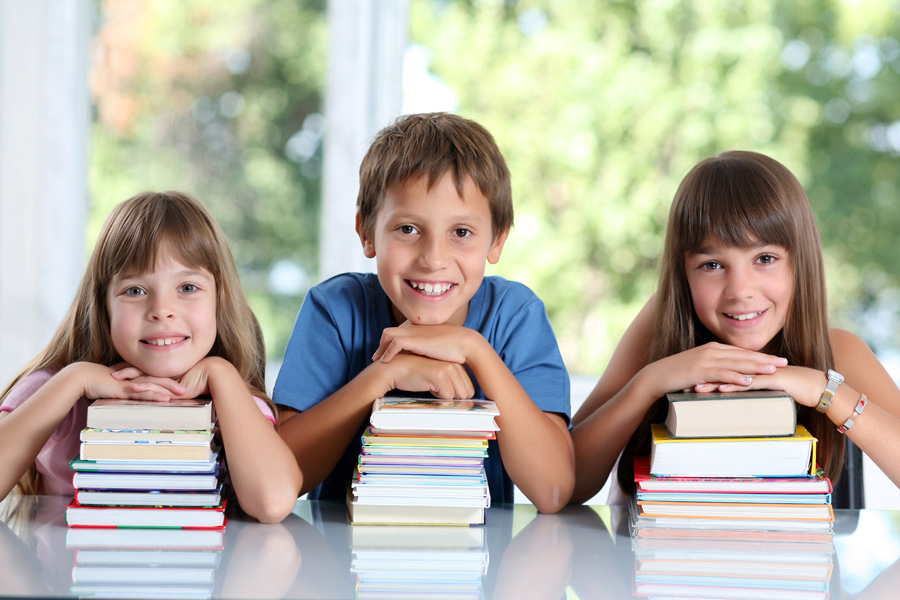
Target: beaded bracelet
column 860, row 406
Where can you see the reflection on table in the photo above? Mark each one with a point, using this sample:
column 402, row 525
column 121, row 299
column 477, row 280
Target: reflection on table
column 583, row 552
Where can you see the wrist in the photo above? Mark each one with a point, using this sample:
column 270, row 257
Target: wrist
column 833, row 381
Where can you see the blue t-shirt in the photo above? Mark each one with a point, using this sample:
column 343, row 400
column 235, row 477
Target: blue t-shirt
column 339, row 328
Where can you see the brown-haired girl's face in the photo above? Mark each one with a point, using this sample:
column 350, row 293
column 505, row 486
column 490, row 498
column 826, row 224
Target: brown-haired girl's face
column 163, row 322
column 740, row 294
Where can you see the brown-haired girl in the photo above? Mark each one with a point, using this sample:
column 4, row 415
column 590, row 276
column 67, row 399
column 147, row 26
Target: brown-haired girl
column 160, row 313
column 741, row 305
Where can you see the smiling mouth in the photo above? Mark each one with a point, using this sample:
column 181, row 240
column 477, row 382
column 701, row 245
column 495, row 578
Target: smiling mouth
column 744, row 316
column 429, row 289
column 164, row 341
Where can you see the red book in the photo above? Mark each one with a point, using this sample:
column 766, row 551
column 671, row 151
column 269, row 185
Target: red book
column 645, row 482
column 78, row 515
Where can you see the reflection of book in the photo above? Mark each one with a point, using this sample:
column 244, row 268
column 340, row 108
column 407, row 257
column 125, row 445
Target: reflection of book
column 213, row 539
column 402, row 536
column 194, row 413
column 740, row 414
column 807, row 484
column 144, row 451
column 434, row 414
column 148, row 498
column 789, row 456
column 102, row 516
column 143, row 574
column 184, row 558
column 128, row 436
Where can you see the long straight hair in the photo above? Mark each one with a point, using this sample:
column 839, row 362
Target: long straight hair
column 133, row 236
column 740, row 198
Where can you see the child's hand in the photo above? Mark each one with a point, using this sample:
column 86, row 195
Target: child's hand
column 804, row 385
column 124, row 382
column 712, row 367
column 413, row 373
column 449, row 343
column 196, row 381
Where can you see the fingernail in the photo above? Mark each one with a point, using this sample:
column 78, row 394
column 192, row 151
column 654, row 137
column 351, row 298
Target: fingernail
column 747, row 379
column 782, row 361
column 770, row 368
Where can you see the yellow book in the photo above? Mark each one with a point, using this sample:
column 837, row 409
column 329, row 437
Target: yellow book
column 777, row 456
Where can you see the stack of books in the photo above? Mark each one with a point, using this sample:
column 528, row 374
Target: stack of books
column 144, row 563
column 731, row 500
column 418, row 562
column 148, row 464
column 422, row 462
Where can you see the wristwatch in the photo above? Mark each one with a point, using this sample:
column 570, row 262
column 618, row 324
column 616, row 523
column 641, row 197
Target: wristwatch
column 834, row 380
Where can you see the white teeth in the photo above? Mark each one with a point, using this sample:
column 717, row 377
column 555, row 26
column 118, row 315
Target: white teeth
column 165, row 341
column 745, row 316
column 431, row 289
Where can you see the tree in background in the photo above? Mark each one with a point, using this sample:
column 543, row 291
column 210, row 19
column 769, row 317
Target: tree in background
column 222, row 100
column 602, row 107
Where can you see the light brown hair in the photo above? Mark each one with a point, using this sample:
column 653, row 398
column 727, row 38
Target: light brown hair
column 432, row 145
column 134, row 234
column 742, row 198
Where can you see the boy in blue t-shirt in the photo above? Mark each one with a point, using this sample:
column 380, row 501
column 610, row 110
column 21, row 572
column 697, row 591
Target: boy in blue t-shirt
column 434, row 204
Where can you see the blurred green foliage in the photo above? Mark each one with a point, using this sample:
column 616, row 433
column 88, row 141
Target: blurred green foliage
column 600, row 108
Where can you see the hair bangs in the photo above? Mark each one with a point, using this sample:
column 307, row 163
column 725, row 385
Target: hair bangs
column 736, row 206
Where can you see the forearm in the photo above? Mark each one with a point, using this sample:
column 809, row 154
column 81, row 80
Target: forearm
column 535, row 447
column 319, row 436
column 24, row 431
column 600, row 437
column 265, row 476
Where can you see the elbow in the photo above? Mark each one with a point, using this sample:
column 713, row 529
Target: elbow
column 553, row 498
column 273, row 508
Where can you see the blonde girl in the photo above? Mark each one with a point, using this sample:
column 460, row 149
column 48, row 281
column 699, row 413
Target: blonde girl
column 741, row 304
column 160, row 313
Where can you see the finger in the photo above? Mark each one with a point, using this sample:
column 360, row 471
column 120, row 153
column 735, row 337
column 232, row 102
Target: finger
column 126, row 372
column 149, row 392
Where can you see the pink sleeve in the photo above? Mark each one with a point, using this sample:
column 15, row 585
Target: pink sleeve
column 265, row 409
column 25, row 388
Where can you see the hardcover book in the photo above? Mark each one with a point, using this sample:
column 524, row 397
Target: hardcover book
column 789, row 456
column 78, row 515
column 186, row 414
column 433, row 414
column 739, row 414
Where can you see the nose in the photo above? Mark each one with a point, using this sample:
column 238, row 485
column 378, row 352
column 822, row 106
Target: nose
column 162, row 307
column 434, row 252
column 741, row 284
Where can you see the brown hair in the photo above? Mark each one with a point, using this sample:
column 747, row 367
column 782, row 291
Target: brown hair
column 131, row 239
column 432, row 145
column 740, row 198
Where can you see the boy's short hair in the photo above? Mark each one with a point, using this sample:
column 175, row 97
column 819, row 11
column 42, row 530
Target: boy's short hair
column 431, row 145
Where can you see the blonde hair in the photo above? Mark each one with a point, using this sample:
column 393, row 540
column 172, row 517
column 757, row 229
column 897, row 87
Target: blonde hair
column 131, row 239
column 741, row 198
column 431, row 145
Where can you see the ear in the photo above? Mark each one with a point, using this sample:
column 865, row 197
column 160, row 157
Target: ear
column 497, row 247
column 368, row 244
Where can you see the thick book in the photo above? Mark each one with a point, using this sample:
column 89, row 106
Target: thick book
column 183, row 414
column 130, row 436
column 806, row 484
column 145, row 451
column 788, row 456
column 740, row 414
column 148, row 498
column 423, row 414
column 78, row 515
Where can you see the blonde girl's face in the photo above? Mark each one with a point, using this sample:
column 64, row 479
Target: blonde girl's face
column 163, row 322
column 741, row 295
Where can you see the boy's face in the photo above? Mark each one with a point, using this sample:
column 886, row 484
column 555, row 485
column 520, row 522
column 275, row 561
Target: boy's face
column 430, row 248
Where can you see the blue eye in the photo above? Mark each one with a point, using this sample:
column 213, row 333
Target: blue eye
column 134, row 291
column 189, row 287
